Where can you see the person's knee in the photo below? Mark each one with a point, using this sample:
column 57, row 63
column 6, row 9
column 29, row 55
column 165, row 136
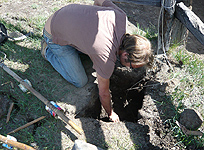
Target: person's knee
column 81, row 83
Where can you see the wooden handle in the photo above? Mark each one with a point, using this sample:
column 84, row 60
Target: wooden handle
column 9, row 112
column 75, row 127
column 15, row 144
column 26, row 125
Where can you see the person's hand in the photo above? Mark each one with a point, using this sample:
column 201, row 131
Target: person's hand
column 114, row 117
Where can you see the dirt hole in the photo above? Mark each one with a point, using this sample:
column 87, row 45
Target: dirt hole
column 126, row 104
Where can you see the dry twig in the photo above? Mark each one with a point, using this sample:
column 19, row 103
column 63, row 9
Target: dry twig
column 188, row 132
column 9, row 112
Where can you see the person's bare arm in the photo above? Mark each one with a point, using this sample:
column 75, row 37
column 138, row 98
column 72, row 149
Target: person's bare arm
column 105, row 98
column 98, row 2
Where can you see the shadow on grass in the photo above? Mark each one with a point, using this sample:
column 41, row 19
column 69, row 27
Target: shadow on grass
column 27, row 63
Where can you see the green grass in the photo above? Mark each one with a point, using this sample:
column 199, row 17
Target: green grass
column 37, row 22
column 183, row 140
column 191, row 83
column 26, row 61
column 190, row 77
column 34, row 6
column 149, row 32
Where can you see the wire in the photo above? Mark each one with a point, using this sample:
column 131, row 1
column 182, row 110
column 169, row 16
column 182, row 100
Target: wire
column 161, row 14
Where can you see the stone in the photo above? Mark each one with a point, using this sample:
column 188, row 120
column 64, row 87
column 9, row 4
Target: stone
column 81, row 145
column 191, row 119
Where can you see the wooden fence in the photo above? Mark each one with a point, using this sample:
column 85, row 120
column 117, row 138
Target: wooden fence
column 171, row 9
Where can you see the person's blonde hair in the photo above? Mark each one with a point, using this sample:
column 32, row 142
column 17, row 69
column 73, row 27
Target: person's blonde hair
column 138, row 49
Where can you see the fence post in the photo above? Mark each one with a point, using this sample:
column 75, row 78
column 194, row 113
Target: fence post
column 166, row 20
column 180, row 32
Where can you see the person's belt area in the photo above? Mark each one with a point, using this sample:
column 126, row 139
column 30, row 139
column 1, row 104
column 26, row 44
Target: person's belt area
column 47, row 34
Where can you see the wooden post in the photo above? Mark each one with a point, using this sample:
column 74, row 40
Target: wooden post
column 165, row 24
column 180, row 32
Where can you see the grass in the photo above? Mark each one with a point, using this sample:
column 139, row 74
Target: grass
column 25, row 60
column 191, row 78
column 191, row 83
column 149, row 32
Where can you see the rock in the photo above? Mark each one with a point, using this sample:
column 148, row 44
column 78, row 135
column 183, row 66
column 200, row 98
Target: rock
column 191, row 119
column 81, row 145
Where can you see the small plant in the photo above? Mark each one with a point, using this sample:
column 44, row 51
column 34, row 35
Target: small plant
column 37, row 22
column 34, row 6
column 149, row 32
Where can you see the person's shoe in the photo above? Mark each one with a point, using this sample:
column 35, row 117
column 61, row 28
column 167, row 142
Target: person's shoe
column 43, row 48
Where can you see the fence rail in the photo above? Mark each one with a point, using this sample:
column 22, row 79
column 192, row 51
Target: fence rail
column 156, row 3
column 191, row 21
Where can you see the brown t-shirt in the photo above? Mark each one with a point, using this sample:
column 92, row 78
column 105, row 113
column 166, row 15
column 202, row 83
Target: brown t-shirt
column 93, row 30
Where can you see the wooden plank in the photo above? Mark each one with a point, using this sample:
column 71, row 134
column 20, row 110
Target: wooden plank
column 191, row 21
column 180, row 32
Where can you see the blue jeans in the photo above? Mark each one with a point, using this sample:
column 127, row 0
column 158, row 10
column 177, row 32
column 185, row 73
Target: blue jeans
column 66, row 61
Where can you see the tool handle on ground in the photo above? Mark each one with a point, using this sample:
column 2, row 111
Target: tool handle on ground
column 43, row 99
column 57, row 111
column 27, row 124
column 15, row 144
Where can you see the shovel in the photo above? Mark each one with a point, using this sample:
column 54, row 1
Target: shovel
column 43, row 99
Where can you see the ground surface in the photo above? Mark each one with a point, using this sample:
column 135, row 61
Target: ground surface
column 144, row 130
